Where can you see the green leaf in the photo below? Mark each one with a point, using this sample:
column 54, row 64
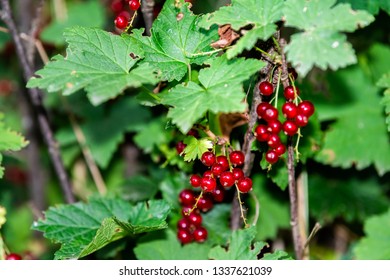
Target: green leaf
column 196, row 147
column 83, row 228
column 385, row 82
column 138, row 188
column 260, row 14
column 166, row 247
column 375, row 245
column 268, row 224
column 240, row 247
column 75, row 17
column 9, row 141
column 335, row 194
column 370, row 6
column 152, row 135
column 277, row 255
column 216, row 221
column 102, row 63
column 176, row 41
column 220, row 91
column 321, row 44
column 358, row 123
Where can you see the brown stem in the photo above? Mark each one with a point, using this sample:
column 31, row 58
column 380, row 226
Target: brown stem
column 36, row 101
column 147, row 13
column 292, row 187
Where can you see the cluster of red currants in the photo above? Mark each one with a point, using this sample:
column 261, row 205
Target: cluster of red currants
column 189, row 227
column 224, row 170
column 296, row 114
column 123, row 16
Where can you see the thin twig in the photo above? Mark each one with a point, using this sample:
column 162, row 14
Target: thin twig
column 36, row 100
column 313, row 232
column 147, row 7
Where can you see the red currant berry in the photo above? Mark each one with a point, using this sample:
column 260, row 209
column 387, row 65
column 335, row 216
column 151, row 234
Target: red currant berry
column 223, row 160
column 208, row 158
column 290, row 128
column 200, row 234
column 271, row 157
column 184, row 223
column 266, row 88
column 238, row 173
column 301, row 120
column 187, row 197
column 271, row 114
column 126, row 14
column 208, row 184
column 289, row 110
column 280, row 150
column 261, row 133
column 13, row 257
column 218, row 194
column 180, row 146
column 227, row 179
column 121, row 22
column 289, row 92
column 244, row 185
column 306, row 108
column 274, row 126
column 116, row 6
column 184, row 236
column 195, row 180
column 217, row 169
column 134, row 5
column 186, row 210
column 208, row 174
column 195, row 219
column 237, row 158
column 205, row 203
column 273, row 141
column 193, row 132
column 261, row 108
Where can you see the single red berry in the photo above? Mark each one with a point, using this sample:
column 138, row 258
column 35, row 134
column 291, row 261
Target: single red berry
column 117, row 6
column 266, row 88
column 208, row 184
column 301, row 120
column 290, row 128
column 195, row 219
column 187, row 197
column 208, row 174
column 195, row 180
column 200, row 234
column 208, row 158
column 184, row 236
column 205, row 203
column 13, row 257
column 227, row 179
column 121, row 22
column 237, row 158
column 244, row 185
column 180, row 146
column 289, row 93
column 218, row 194
column 126, row 14
column 238, row 173
column 193, row 132
column 261, row 133
column 134, row 5
column 306, row 108
column 223, row 160
column 217, row 169
column 280, row 150
column 261, row 108
column 184, row 223
column 289, row 110
column 271, row 114
column 273, row 141
column 274, row 126
column 271, row 157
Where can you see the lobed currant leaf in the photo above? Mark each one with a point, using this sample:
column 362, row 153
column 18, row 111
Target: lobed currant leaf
column 220, row 91
column 176, row 41
column 196, row 147
column 320, row 43
column 261, row 15
column 82, row 228
column 101, row 63
column 384, row 82
column 372, row 7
